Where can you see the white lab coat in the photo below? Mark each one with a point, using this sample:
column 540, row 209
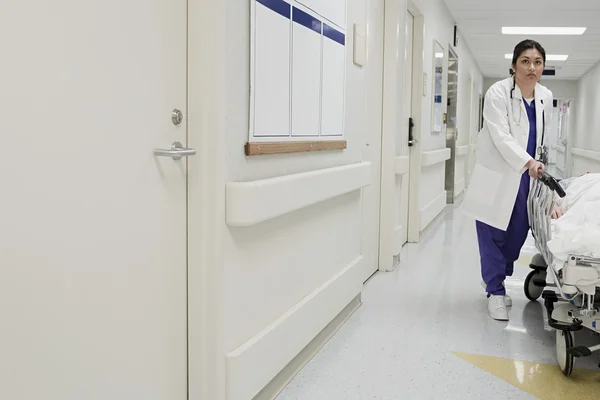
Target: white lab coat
column 501, row 152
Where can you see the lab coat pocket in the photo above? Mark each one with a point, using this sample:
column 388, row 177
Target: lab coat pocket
column 484, row 185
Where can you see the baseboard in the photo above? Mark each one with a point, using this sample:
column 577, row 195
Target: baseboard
column 257, row 362
column 432, row 210
column 290, row 371
column 459, row 198
column 459, row 187
column 432, row 225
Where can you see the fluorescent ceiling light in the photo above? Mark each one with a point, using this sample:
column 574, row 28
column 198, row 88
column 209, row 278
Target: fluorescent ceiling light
column 549, row 57
column 512, row 30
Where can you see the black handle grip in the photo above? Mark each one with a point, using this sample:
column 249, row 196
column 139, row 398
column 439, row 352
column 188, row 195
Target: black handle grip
column 411, row 124
column 553, row 184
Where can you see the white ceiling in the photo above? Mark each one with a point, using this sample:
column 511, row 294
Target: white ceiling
column 480, row 22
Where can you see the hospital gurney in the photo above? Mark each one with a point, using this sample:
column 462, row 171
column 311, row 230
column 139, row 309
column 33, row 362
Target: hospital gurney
column 576, row 283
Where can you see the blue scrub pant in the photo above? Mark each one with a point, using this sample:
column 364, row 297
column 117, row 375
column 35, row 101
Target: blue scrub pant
column 499, row 249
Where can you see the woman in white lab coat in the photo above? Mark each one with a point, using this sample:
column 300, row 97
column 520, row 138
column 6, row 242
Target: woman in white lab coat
column 516, row 115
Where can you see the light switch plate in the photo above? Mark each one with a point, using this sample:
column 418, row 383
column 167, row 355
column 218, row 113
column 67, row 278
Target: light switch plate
column 424, row 84
column 360, row 45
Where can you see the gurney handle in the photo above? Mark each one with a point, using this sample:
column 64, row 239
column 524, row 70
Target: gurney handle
column 553, row 184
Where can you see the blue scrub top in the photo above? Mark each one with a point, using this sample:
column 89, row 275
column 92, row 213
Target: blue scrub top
column 532, row 142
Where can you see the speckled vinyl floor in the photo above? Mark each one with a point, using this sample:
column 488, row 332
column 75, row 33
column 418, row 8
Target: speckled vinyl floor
column 423, row 333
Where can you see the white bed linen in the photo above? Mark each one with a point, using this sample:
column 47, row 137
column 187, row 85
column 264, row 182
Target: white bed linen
column 578, row 230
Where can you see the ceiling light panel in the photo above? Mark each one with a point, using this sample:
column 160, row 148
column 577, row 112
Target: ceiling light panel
column 529, row 30
column 549, row 57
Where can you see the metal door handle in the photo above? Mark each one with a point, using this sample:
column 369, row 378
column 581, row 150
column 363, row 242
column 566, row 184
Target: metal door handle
column 412, row 142
column 176, row 152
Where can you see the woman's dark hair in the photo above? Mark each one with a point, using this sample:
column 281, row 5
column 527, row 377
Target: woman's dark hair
column 524, row 46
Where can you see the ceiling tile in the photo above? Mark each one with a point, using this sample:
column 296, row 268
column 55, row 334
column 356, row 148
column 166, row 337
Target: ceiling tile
column 480, row 23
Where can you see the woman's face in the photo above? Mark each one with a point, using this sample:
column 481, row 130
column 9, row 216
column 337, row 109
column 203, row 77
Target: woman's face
column 529, row 66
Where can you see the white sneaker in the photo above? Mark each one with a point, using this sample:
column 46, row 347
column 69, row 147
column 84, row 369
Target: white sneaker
column 507, row 299
column 497, row 308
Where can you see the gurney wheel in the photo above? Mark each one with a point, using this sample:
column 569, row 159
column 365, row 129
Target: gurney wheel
column 532, row 291
column 538, row 262
column 566, row 361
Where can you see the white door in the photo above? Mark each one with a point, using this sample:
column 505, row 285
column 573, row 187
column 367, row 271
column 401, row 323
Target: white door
column 93, row 225
column 371, row 204
column 402, row 143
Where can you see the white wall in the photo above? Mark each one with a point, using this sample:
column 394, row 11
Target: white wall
column 584, row 137
column 561, row 89
column 276, row 284
column 468, row 112
column 283, row 280
column 439, row 26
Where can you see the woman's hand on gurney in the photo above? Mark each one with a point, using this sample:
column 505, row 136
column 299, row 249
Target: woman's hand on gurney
column 535, row 168
column 557, row 212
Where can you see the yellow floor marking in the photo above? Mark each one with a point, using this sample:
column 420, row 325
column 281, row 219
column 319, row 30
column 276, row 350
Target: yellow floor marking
column 543, row 381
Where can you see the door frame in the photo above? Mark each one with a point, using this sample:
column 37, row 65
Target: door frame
column 393, row 80
column 388, row 132
column 414, row 212
column 206, row 198
column 450, row 170
column 382, row 135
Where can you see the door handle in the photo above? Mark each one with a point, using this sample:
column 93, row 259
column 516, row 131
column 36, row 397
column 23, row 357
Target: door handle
column 411, row 140
column 176, row 152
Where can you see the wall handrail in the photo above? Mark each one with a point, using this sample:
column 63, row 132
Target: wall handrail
column 433, row 157
column 250, row 203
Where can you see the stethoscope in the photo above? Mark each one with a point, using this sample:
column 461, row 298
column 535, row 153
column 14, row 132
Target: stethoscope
column 541, row 150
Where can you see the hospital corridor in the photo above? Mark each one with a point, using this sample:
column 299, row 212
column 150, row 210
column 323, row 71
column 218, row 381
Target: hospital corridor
column 299, row 200
column 443, row 344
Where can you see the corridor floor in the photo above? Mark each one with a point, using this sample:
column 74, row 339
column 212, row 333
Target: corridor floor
column 423, row 332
